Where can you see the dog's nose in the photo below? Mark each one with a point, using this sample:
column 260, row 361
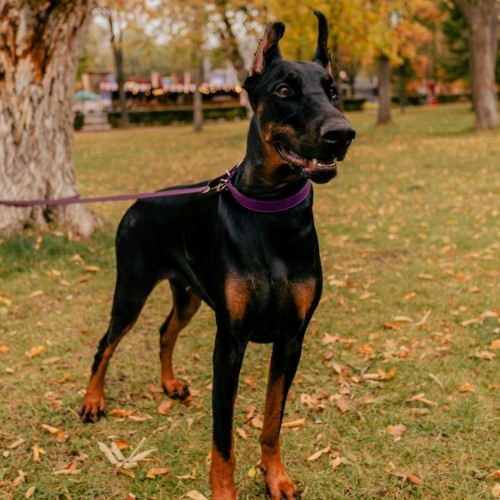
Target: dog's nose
column 337, row 132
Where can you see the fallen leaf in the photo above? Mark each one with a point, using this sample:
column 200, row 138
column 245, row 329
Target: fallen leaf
column 3, row 347
column 195, row 495
column 495, row 344
column 252, row 472
column 257, row 422
column 396, row 430
column 342, row 404
column 139, row 419
column 495, row 491
column 294, row 424
column 16, row 443
column 367, row 350
column 424, row 318
column 419, row 398
column 34, row 294
column 467, row 388
column 122, row 445
column 414, row 479
column 51, row 361
column 241, row 432
column 30, row 492
column 494, row 474
column 486, row 355
column 165, row 406
column 403, row 319
column 424, row 276
column 69, row 470
column 121, row 413
column 37, row 451
column 152, row 473
column 92, row 269
column 52, row 430
column 319, row 454
column 250, row 381
column 337, row 462
column 35, row 351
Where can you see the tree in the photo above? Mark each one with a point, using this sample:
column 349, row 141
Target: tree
column 40, row 45
column 482, row 23
column 114, row 15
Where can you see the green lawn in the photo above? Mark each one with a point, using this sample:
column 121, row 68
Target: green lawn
column 398, row 387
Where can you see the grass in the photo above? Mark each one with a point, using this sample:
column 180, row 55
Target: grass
column 405, row 334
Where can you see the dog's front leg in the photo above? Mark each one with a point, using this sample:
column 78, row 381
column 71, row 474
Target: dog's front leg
column 284, row 362
column 227, row 360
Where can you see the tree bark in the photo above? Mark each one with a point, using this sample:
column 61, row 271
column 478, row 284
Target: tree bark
column 197, row 99
column 384, row 90
column 117, row 46
column 482, row 23
column 40, row 45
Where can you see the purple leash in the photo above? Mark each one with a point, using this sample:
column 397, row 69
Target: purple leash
column 218, row 184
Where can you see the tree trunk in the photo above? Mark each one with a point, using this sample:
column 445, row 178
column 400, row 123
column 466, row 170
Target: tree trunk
column 40, row 45
column 483, row 24
column 117, row 46
column 232, row 50
column 384, row 91
column 197, row 99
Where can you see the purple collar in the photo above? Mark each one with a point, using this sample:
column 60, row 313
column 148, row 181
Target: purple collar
column 266, row 206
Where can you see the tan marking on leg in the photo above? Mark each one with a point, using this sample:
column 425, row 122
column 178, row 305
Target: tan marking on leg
column 222, row 476
column 93, row 401
column 173, row 387
column 278, row 482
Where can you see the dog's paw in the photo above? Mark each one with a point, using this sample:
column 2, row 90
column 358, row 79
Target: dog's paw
column 175, row 389
column 93, row 408
column 278, row 483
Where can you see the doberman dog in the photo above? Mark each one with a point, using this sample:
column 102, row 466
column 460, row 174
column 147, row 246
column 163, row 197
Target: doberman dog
column 248, row 248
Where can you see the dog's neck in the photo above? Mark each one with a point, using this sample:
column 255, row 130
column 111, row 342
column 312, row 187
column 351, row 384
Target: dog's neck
column 260, row 177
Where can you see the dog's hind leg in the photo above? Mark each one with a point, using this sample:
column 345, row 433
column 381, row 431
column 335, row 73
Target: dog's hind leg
column 185, row 305
column 130, row 296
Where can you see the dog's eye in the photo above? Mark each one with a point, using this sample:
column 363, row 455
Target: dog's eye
column 283, row 90
column 332, row 91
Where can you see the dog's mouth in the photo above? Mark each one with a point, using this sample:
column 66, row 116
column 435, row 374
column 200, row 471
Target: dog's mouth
column 319, row 170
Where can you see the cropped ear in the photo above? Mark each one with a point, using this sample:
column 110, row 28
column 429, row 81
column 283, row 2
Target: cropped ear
column 322, row 54
column 267, row 51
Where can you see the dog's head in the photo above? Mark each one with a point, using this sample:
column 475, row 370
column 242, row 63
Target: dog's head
column 295, row 107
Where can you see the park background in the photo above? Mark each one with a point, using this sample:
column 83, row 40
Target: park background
column 397, row 392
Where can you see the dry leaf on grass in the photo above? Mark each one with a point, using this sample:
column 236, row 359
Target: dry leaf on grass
column 195, row 495
column 116, row 412
column 495, row 344
column 467, row 388
column 420, row 398
column 165, row 406
column 396, row 431
column 241, row 432
column 319, row 454
column 495, row 491
column 295, row 424
column 35, row 351
column 122, row 463
column 153, row 473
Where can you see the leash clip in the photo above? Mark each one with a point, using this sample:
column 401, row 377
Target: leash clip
column 218, row 184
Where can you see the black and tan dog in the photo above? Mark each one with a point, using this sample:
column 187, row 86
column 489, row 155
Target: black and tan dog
column 248, row 249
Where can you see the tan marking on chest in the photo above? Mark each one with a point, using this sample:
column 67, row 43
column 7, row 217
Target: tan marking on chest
column 303, row 295
column 237, row 293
